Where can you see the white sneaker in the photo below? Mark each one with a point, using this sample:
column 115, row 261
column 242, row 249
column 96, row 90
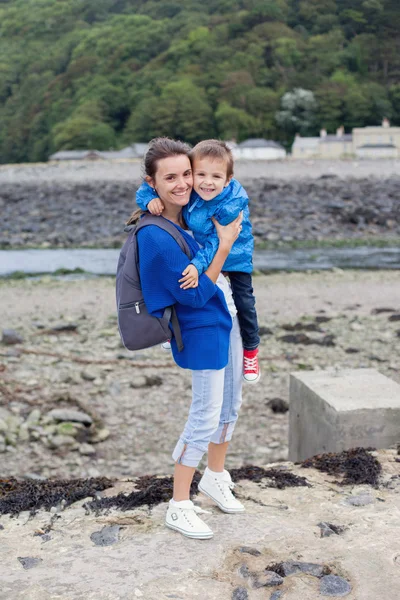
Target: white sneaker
column 218, row 488
column 182, row 516
column 166, row 345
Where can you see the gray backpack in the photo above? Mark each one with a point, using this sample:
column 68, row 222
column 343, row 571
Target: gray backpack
column 138, row 329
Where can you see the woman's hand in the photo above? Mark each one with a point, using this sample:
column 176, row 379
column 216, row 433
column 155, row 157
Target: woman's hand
column 228, row 234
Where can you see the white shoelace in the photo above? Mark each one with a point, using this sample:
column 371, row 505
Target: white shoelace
column 250, row 364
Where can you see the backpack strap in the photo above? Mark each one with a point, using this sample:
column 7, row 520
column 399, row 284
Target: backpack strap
column 170, row 311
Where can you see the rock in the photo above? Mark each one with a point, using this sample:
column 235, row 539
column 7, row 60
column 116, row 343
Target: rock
column 267, row 579
column 88, row 375
column 87, row 449
column 2, row 444
column 67, row 428
column 3, row 425
column 249, row 550
column 395, row 317
column 355, row 326
column 100, row 436
column 244, row 571
column 240, row 593
column 10, row 337
column 352, row 350
column 146, row 381
column 291, row 567
column 33, row 417
column 278, row 406
column 332, row 585
column 276, row 595
column 107, row 536
column 58, row 441
column 45, row 538
column 23, row 433
column 328, row 529
column 66, row 414
column 28, row 562
column 360, row 500
column 1, row 527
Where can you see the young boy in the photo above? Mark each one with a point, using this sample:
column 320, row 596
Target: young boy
column 216, row 194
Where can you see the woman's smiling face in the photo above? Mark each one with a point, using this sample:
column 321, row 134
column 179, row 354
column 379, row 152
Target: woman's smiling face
column 173, row 180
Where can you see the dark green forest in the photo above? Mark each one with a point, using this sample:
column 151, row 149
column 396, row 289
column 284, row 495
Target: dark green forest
column 105, row 73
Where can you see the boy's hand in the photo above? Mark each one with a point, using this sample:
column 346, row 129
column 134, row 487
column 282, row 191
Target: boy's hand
column 155, row 207
column 190, row 277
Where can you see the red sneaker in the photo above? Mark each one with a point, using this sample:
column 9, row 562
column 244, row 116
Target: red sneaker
column 251, row 369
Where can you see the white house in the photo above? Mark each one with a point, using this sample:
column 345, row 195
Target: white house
column 259, row 149
column 363, row 142
column 132, row 151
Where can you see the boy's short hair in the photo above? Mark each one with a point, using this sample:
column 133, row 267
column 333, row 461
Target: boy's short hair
column 214, row 149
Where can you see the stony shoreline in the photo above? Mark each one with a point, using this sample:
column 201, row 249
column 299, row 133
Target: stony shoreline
column 86, row 205
column 134, row 404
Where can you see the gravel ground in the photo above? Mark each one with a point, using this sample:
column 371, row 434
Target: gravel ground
column 144, row 421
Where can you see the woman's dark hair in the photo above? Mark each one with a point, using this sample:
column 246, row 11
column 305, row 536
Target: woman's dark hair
column 159, row 148
column 162, row 147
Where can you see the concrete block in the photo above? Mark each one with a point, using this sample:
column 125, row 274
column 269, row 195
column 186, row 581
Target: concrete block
column 335, row 410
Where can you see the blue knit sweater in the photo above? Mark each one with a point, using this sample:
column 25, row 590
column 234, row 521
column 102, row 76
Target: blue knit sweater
column 202, row 312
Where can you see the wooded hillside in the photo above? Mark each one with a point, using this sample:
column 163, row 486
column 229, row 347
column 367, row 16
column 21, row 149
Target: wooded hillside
column 104, row 73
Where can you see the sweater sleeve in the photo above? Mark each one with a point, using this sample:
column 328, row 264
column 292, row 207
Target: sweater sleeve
column 161, row 264
column 144, row 195
column 203, row 257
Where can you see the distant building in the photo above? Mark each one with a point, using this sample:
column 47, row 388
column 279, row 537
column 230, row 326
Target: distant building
column 365, row 142
column 377, row 142
column 259, row 149
column 132, row 151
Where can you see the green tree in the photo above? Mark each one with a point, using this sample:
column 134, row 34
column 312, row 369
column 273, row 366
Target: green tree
column 298, row 113
column 234, row 123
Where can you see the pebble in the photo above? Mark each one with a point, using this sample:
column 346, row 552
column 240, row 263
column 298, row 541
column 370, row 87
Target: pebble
column 28, row 562
column 10, row 337
column 332, row 585
column 240, row 593
column 276, row 595
column 107, row 536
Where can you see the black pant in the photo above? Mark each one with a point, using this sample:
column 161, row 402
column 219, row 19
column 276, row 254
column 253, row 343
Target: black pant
column 242, row 291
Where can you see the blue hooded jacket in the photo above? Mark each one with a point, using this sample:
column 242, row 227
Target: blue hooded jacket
column 224, row 208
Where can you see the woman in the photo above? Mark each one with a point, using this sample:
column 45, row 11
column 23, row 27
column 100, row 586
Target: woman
column 211, row 336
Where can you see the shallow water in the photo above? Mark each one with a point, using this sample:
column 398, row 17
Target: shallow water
column 104, row 262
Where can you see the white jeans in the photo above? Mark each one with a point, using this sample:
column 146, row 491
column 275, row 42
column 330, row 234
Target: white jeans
column 217, row 396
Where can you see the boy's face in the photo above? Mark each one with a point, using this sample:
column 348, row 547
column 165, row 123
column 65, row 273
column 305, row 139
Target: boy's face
column 209, row 177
